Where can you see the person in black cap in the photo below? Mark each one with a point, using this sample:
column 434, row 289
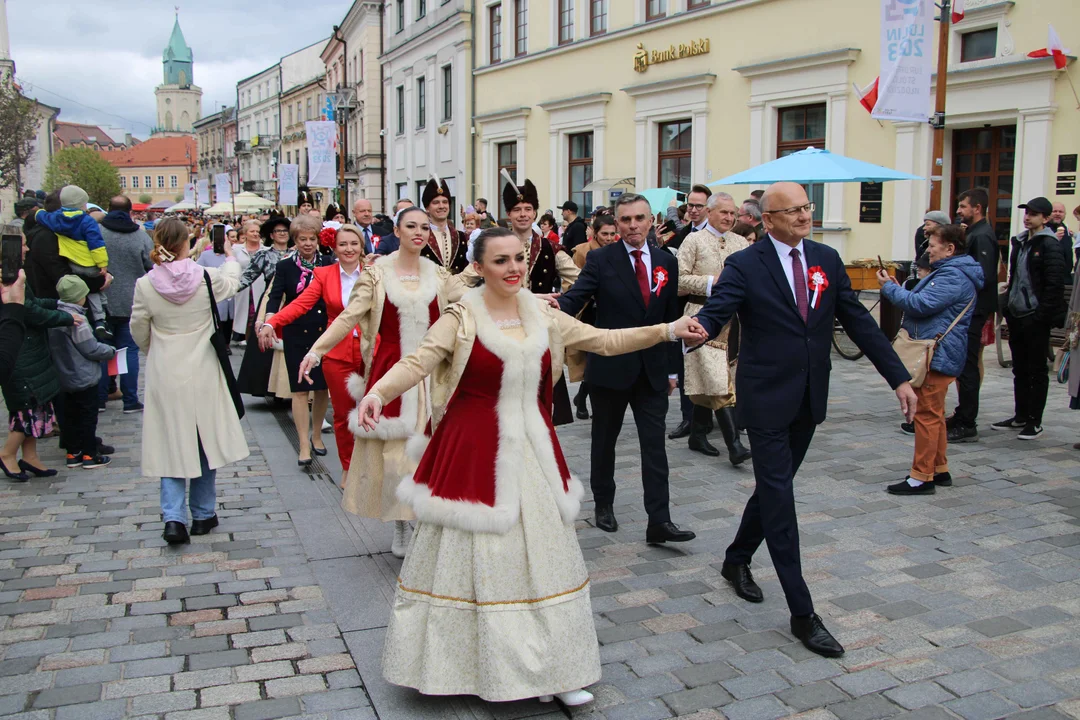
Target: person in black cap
column 305, row 201
column 576, row 231
column 1036, row 303
column 447, row 246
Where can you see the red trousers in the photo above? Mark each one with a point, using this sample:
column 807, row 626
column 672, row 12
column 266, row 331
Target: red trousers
column 337, row 374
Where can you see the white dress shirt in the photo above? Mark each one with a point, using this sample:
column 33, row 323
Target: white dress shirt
column 646, row 257
column 784, row 251
column 368, row 236
column 348, row 281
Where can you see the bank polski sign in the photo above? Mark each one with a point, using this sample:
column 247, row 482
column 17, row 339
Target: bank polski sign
column 907, row 61
column 644, row 58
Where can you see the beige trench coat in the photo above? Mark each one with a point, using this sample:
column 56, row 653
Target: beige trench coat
column 187, row 399
column 709, row 373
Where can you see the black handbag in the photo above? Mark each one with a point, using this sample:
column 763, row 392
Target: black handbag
column 221, row 347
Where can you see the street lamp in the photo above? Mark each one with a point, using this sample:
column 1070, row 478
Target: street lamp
column 342, row 100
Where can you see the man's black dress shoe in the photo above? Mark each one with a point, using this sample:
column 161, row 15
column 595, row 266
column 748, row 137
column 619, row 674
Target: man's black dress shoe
column 698, row 443
column 604, row 518
column 683, row 430
column 814, row 636
column 175, row 533
column 742, row 580
column 201, row 527
column 667, row 532
column 582, row 413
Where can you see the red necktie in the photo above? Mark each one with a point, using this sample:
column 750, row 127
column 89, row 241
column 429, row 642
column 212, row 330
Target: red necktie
column 800, row 284
column 642, row 276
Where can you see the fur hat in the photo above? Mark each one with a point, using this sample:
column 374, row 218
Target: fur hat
column 526, row 193
column 304, row 195
column 71, row 289
column 73, row 196
column 434, row 188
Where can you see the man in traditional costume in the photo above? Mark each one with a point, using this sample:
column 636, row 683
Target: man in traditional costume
column 446, row 246
column 710, row 372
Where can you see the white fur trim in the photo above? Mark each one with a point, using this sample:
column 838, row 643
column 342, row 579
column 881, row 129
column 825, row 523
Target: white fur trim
column 520, row 422
column 413, row 316
column 415, row 446
column 357, row 386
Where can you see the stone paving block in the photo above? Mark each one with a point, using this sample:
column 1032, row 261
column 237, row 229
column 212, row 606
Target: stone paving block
column 984, row 706
column 867, row 707
column 163, row 702
column 288, row 651
column 265, row 671
column 900, row 610
column 194, row 646
column 87, row 675
column 638, row 710
column 706, row 696
column 916, row 695
column 343, row 679
column 109, row 710
column 760, row 640
column 813, row 695
column 970, row 682
column 298, row 685
column 335, row 700
column 74, row 695
column 155, row 666
column 226, row 658
column 198, row 679
column 997, row 626
column 759, row 708
column 761, row 683
column 857, row 601
column 267, row 709
column 229, row 694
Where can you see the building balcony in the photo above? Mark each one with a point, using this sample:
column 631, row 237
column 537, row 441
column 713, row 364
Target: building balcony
column 264, row 143
column 242, row 147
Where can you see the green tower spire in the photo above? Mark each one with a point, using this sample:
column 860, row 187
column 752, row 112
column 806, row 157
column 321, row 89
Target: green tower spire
column 178, row 60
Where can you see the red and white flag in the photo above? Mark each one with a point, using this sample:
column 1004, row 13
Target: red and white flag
column 957, row 11
column 868, row 96
column 1053, row 49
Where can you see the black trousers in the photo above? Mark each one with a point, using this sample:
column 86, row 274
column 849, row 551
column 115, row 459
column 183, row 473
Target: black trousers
column 649, row 407
column 968, row 382
column 770, row 511
column 1029, row 340
column 685, row 406
column 77, row 413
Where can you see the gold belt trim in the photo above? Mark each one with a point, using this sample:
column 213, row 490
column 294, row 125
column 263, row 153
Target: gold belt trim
column 490, row 602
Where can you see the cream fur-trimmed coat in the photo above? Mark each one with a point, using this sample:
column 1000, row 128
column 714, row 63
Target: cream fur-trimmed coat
column 377, row 283
column 444, row 355
column 709, row 372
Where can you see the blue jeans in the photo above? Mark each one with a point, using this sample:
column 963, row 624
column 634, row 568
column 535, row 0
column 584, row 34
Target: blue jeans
column 203, row 500
column 129, row 383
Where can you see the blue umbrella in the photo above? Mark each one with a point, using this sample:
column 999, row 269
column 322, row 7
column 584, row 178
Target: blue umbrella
column 812, row 166
column 659, row 198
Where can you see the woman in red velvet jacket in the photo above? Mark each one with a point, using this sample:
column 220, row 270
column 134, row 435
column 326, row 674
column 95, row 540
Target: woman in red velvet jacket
column 332, row 284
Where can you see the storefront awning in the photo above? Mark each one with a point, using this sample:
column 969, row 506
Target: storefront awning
column 608, row 183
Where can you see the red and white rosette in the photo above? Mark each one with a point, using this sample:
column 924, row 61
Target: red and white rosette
column 818, row 282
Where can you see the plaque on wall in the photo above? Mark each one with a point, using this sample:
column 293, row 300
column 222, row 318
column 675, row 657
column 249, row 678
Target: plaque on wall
column 870, row 202
column 1067, row 163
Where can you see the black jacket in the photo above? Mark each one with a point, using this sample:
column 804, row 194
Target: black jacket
column 674, row 243
column 12, row 330
column 781, row 358
column 608, row 278
column 1046, row 267
column 982, row 245
column 574, row 234
column 44, row 265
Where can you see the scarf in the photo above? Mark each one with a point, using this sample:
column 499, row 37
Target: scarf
column 306, row 269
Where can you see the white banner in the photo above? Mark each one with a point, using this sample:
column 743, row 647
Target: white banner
column 288, row 184
column 202, row 191
column 189, row 193
column 907, row 61
column 223, row 187
column 322, row 146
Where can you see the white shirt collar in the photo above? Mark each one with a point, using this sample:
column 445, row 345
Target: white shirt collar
column 630, row 248
column 354, row 274
column 714, row 231
column 784, row 250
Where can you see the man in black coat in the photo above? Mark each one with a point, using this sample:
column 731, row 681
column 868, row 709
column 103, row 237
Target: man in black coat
column 787, row 292
column 44, row 265
column 1035, row 305
column 982, row 245
column 575, row 232
column 633, row 285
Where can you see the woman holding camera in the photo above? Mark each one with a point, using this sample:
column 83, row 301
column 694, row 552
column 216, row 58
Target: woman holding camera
column 190, row 426
column 939, row 306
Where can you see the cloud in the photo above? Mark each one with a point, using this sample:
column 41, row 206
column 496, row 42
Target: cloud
column 100, row 63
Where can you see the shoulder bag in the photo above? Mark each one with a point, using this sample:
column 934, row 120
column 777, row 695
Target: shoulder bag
column 917, row 354
column 221, row 347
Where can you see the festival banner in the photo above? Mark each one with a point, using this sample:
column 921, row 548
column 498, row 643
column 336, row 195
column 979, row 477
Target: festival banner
column 189, row 193
column 223, row 187
column 288, row 184
column 322, row 145
column 907, row 61
column 202, row 190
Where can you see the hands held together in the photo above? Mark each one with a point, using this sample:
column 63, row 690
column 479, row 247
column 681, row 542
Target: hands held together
column 267, row 337
column 689, row 330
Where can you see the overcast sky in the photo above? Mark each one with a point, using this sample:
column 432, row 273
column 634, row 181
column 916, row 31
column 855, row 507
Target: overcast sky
column 100, row 60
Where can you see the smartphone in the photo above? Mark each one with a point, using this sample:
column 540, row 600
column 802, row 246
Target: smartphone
column 11, row 258
column 217, row 236
column 880, row 263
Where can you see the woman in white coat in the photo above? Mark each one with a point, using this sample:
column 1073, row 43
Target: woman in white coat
column 186, row 433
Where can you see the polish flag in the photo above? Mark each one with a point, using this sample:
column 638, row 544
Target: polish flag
column 1053, row 49
column 868, row 96
column 957, row 11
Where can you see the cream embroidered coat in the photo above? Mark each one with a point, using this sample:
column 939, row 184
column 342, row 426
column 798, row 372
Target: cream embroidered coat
column 709, row 373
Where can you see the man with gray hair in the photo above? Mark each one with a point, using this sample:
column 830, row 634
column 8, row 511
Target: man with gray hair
column 750, row 213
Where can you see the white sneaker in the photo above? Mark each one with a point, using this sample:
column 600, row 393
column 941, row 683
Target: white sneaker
column 570, row 699
column 326, row 426
column 401, row 539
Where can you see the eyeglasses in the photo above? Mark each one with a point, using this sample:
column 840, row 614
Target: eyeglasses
column 280, row 230
column 792, row 211
column 694, row 206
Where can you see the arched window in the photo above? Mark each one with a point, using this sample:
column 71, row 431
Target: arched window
column 168, row 120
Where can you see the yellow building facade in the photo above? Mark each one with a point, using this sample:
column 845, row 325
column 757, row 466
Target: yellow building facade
column 674, row 92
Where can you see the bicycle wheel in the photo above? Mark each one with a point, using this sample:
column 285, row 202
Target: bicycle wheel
column 1063, row 371
column 844, row 345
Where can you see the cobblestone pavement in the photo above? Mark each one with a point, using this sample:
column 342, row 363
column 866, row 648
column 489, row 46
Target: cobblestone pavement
column 963, row 604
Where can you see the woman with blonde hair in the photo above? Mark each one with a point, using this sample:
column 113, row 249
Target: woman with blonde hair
column 247, row 299
column 331, row 286
column 190, row 425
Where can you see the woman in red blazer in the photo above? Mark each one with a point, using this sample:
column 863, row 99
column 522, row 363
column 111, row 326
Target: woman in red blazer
column 332, row 284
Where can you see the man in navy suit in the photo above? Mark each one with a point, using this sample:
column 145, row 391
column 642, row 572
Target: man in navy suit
column 787, row 291
column 389, row 243
column 633, row 285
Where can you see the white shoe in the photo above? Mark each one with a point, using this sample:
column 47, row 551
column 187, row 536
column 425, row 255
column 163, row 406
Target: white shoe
column 570, row 699
column 242, row 343
column 326, row 427
column 401, row 539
